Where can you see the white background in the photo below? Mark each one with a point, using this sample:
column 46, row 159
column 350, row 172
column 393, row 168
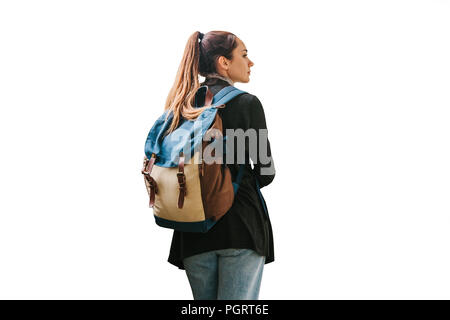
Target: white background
column 356, row 95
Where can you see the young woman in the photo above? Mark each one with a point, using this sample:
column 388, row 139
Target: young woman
column 226, row 262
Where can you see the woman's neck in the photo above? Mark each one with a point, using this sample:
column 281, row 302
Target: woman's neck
column 219, row 76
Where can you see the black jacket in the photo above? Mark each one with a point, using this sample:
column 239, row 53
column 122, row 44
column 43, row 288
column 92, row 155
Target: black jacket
column 245, row 225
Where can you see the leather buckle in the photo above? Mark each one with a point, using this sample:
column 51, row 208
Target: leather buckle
column 181, row 178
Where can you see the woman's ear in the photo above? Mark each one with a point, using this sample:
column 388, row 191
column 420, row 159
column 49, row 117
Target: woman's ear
column 223, row 62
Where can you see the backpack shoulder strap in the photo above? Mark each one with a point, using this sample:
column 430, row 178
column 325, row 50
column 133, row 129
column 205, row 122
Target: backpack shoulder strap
column 225, row 95
column 204, row 97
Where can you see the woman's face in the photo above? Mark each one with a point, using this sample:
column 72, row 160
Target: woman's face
column 237, row 69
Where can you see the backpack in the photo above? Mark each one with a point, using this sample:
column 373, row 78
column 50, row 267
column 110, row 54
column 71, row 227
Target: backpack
column 186, row 193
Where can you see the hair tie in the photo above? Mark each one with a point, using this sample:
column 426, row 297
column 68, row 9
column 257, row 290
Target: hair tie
column 200, row 36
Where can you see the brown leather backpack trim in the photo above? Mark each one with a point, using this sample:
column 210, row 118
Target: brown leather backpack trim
column 152, row 187
column 216, row 185
column 182, row 181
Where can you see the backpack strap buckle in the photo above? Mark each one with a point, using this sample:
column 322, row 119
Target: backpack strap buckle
column 149, row 181
column 148, row 165
column 181, row 181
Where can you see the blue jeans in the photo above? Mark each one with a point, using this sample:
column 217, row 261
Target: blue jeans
column 227, row 274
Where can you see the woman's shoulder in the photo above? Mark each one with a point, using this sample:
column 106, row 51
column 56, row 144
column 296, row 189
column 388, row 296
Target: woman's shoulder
column 247, row 106
column 247, row 102
column 245, row 98
column 244, row 111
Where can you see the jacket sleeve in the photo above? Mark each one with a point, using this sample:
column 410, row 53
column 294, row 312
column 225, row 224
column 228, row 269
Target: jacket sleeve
column 263, row 164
